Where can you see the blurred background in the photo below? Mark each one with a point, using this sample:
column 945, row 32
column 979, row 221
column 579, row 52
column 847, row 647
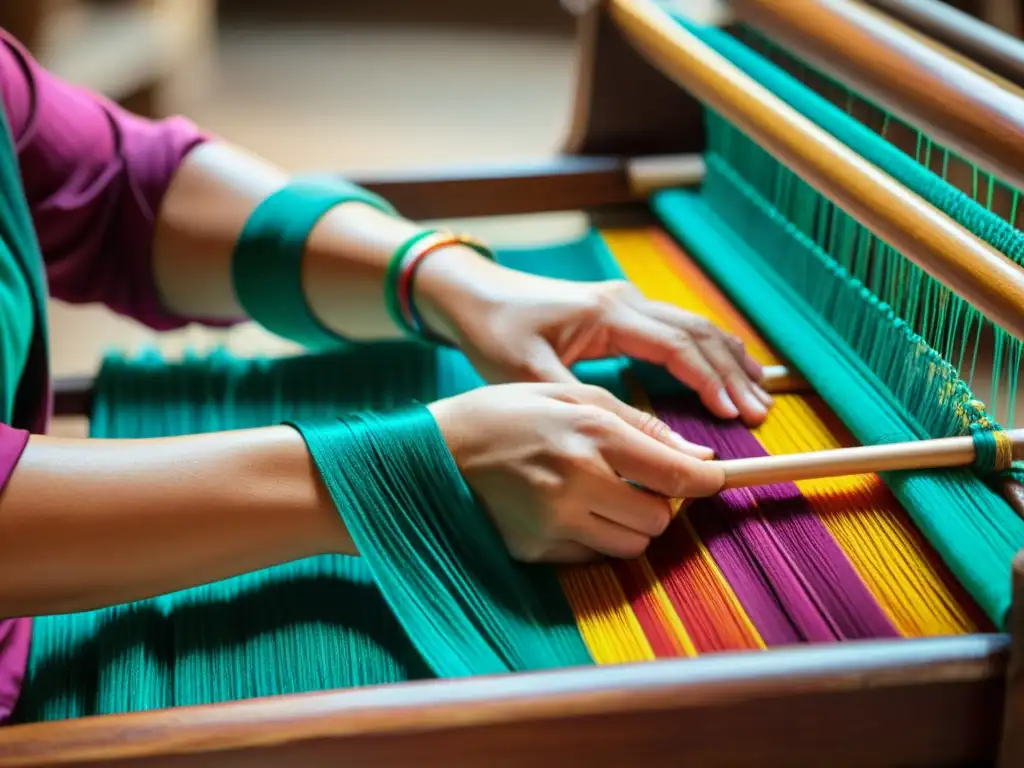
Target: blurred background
column 343, row 86
column 325, row 85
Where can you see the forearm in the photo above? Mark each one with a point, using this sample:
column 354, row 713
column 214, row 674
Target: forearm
column 213, row 194
column 89, row 523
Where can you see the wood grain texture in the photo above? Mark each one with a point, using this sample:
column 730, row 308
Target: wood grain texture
column 1011, row 753
column 860, row 704
column 953, row 104
column 951, row 254
column 1013, row 493
column 623, row 105
column 994, row 49
column 559, row 183
column 943, row 48
column 940, row 453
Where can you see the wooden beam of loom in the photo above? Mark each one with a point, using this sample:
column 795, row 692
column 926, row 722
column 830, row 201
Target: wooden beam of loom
column 552, row 184
column 944, row 49
column 952, row 103
column 993, row 48
column 867, row 703
column 956, row 258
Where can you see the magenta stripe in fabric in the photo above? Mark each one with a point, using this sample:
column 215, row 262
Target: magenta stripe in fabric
column 771, row 532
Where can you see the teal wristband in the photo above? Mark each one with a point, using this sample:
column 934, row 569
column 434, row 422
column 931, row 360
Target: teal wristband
column 266, row 267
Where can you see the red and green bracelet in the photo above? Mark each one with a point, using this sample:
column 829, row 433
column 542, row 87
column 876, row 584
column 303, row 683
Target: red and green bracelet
column 399, row 281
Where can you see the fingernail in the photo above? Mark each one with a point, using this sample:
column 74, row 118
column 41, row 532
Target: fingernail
column 754, row 403
column 698, row 451
column 763, row 396
column 728, row 406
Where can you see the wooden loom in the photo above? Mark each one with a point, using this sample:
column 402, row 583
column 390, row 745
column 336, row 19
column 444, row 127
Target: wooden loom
column 932, row 701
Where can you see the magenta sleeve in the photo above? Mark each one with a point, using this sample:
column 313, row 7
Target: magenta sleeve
column 94, row 176
column 14, row 633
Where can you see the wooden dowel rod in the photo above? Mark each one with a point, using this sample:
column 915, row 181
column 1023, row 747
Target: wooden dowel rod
column 994, row 49
column 949, row 253
column 953, row 104
column 778, row 380
column 917, row 455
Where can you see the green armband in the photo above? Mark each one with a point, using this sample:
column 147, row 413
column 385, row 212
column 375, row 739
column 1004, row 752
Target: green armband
column 266, row 267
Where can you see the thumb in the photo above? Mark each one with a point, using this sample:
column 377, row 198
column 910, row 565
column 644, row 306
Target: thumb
column 649, row 424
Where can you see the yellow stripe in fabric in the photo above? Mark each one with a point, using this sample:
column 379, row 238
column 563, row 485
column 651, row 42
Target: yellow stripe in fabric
column 605, row 620
column 867, row 522
column 732, row 609
column 898, row 566
column 641, row 253
column 664, row 610
column 730, row 613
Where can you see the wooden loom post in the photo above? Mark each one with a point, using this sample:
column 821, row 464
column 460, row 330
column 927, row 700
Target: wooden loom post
column 955, row 105
column 1011, row 753
column 981, row 275
column 622, row 105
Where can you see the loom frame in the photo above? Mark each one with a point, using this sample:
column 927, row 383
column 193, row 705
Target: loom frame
column 998, row 50
column 934, row 701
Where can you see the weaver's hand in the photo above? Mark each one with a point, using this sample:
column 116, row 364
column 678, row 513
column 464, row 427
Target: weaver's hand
column 550, row 462
column 519, row 327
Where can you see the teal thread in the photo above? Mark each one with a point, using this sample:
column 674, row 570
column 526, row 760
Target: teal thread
column 985, row 449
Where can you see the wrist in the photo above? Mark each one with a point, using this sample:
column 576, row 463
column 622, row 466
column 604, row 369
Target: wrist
column 452, row 287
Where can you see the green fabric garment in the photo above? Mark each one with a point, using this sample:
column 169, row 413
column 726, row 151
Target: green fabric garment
column 22, row 277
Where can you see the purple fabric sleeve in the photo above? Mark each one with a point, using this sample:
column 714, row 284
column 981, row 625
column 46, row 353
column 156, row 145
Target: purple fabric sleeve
column 94, row 176
column 14, row 633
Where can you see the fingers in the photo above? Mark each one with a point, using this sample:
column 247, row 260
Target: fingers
column 647, row 423
column 568, row 552
column 711, row 362
column 635, row 455
column 633, row 508
column 737, row 368
column 609, row 538
column 737, row 381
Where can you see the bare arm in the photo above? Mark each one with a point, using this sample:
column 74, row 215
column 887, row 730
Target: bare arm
column 89, row 523
column 212, row 195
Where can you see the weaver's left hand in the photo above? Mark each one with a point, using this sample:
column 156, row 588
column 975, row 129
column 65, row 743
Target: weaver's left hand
column 519, row 327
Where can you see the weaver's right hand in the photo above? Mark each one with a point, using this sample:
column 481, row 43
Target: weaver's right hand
column 550, row 461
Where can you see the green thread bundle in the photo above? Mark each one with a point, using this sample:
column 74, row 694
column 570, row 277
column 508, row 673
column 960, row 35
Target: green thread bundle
column 326, row 622
column 945, row 321
column 806, row 275
column 466, row 605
